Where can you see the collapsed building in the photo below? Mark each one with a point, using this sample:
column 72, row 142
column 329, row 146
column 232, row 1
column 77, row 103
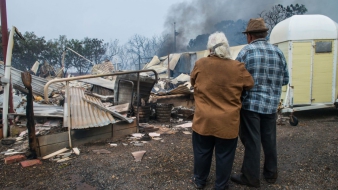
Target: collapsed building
column 72, row 111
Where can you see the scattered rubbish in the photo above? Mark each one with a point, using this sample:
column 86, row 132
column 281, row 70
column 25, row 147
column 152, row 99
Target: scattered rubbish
column 157, row 138
column 64, row 159
column 145, row 137
column 187, row 132
column 132, row 138
column 138, row 144
column 102, row 151
column 124, row 144
column 154, row 134
column 14, row 159
column 52, row 123
column 23, row 133
column 137, row 134
column 7, row 151
column 55, row 153
column 138, row 155
column 28, row 163
column 13, row 153
column 19, row 138
column 65, row 155
column 145, row 127
column 76, row 151
column 185, row 125
column 8, row 141
column 113, row 145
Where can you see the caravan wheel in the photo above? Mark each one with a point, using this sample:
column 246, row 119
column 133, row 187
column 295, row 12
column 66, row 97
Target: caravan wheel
column 293, row 121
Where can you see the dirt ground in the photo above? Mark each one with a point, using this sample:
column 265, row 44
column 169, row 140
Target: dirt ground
column 307, row 155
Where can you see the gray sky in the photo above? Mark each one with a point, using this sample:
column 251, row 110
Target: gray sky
column 121, row 19
column 103, row 19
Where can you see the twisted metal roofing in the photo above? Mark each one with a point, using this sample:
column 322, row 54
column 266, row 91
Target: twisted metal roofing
column 85, row 115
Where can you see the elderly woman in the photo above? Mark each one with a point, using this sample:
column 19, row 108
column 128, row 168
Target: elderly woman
column 218, row 84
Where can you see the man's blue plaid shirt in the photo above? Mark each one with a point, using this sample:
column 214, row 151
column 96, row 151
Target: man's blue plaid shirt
column 267, row 65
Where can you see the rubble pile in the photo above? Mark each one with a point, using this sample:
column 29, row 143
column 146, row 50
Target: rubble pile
column 94, row 102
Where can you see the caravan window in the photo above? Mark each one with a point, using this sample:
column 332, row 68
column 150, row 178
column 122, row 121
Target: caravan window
column 323, row 47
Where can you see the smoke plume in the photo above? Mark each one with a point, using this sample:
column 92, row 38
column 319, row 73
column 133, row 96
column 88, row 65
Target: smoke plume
column 198, row 17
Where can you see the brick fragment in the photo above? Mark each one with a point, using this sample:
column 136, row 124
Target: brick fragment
column 28, row 163
column 14, row 159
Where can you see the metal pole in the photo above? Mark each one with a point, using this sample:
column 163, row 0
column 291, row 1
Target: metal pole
column 4, row 28
column 174, row 37
column 168, row 69
column 139, row 62
column 4, row 32
column 7, row 92
column 138, row 102
column 68, row 114
column 80, row 56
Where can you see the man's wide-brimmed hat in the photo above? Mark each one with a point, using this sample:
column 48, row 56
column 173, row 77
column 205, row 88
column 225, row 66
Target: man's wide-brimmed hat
column 256, row 25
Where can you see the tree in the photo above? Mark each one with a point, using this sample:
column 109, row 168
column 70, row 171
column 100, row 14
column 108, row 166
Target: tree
column 113, row 49
column 295, row 10
column 279, row 13
column 124, row 59
column 139, row 49
column 26, row 52
column 56, row 47
column 94, row 49
column 74, row 60
column 87, row 52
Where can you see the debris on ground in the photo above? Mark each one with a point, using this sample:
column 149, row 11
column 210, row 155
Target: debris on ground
column 138, row 155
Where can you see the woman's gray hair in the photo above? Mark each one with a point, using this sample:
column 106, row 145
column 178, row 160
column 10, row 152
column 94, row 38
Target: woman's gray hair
column 219, row 46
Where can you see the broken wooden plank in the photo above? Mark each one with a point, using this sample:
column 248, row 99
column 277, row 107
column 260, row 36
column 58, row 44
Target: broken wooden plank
column 55, row 153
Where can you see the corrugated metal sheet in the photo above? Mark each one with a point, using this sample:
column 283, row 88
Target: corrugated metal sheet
column 183, row 65
column 153, row 62
column 173, row 61
column 41, row 110
column 158, row 68
column 100, row 82
column 38, row 83
column 101, row 86
column 83, row 114
column 44, row 110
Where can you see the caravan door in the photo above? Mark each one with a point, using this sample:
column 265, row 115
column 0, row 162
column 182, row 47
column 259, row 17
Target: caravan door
column 323, row 71
column 301, row 72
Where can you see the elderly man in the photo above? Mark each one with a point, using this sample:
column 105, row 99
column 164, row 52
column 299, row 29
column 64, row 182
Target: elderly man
column 218, row 84
column 268, row 67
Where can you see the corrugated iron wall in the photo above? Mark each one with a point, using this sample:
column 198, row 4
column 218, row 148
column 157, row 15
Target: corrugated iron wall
column 38, row 83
